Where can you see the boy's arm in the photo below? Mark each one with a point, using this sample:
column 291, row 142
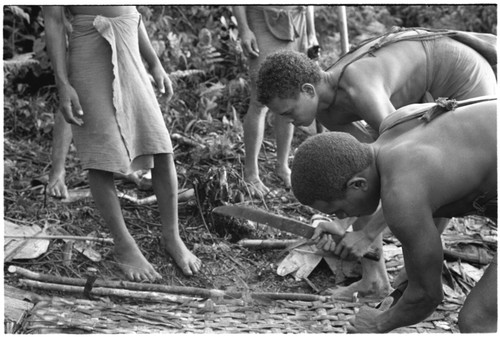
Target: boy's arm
column 247, row 37
column 55, row 35
column 155, row 67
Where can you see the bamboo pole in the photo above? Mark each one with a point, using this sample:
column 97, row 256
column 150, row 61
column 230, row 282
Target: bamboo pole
column 344, row 38
column 161, row 288
column 142, row 295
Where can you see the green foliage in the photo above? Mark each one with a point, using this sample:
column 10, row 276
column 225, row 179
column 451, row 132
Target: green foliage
column 199, row 46
column 475, row 18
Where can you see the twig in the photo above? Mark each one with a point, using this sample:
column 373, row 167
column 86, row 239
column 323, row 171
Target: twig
column 187, row 141
column 59, row 237
column 74, row 195
column 13, row 253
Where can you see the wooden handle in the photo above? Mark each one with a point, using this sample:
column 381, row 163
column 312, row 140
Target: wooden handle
column 373, row 254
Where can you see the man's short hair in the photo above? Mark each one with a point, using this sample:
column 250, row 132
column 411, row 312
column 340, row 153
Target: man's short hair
column 324, row 163
column 283, row 73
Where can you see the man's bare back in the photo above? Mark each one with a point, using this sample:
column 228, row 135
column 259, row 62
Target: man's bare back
column 464, row 145
column 398, row 74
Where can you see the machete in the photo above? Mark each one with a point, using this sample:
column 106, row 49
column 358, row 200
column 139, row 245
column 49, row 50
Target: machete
column 280, row 222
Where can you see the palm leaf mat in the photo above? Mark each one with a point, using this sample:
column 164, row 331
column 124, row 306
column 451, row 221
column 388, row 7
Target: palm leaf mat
column 69, row 315
column 129, row 307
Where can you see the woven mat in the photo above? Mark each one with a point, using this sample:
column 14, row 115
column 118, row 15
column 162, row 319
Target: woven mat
column 59, row 315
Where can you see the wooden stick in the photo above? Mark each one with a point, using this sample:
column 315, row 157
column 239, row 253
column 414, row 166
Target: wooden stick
column 142, row 295
column 191, row 291
column 74, row 195
column 59, row 237
column 344, row 38
column 481, row 257
column 271, row 243
column 12, row 254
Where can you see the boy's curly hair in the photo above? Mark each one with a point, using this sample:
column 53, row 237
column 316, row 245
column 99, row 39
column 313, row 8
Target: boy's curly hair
column 324, row 163
column 283, row 73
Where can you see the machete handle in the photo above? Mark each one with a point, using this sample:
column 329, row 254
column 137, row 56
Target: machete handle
column 373, row 254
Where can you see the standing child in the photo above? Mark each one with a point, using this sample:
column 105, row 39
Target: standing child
column 106, row 96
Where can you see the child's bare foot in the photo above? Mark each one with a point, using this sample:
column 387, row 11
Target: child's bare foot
column 284, row 173
column 256, row 187
column 366, row 289
column 56, row 186
column 133, row 264
column 185, row 260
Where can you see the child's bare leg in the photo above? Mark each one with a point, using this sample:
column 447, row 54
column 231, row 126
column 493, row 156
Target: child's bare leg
column 165, row 187
column 61, row 140
column 253, row 135
column 127, row 254
column 284, row 135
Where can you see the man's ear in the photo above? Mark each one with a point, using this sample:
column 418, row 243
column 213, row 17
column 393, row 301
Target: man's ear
column 357, row 183
column 309, row 89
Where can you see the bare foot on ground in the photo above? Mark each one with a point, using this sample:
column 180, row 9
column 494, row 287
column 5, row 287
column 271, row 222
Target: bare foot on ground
column 56, row 186
column 133, row 264
column 185, row 260
column 256, row 187
column 285, row 174
column 372, row 290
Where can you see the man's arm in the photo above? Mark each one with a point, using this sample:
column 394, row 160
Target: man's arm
column 409, row 217
column 247, row 37
column 155, row 67
column 55, row 35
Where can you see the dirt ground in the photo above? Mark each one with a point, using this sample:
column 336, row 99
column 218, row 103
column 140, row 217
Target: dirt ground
column 227, row 265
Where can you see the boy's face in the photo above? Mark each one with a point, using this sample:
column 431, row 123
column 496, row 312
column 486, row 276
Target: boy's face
column 300, row 111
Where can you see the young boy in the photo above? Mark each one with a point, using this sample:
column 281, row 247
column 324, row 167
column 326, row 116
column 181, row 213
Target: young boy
column 106, row 96
column 264, row 30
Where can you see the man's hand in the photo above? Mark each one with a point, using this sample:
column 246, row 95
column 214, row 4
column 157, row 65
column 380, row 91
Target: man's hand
column 162, row 81
column 249, row 44
column 367, row 318
column 323, row 238
column 69, row 104
column 353, row 245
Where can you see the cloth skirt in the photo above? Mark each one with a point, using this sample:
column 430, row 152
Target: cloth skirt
column 123, row 124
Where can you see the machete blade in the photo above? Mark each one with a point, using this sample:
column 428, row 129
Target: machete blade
column 276, row 221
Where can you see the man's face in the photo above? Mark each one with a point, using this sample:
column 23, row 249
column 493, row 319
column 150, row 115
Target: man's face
column 355, row 203
column 300, row 111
